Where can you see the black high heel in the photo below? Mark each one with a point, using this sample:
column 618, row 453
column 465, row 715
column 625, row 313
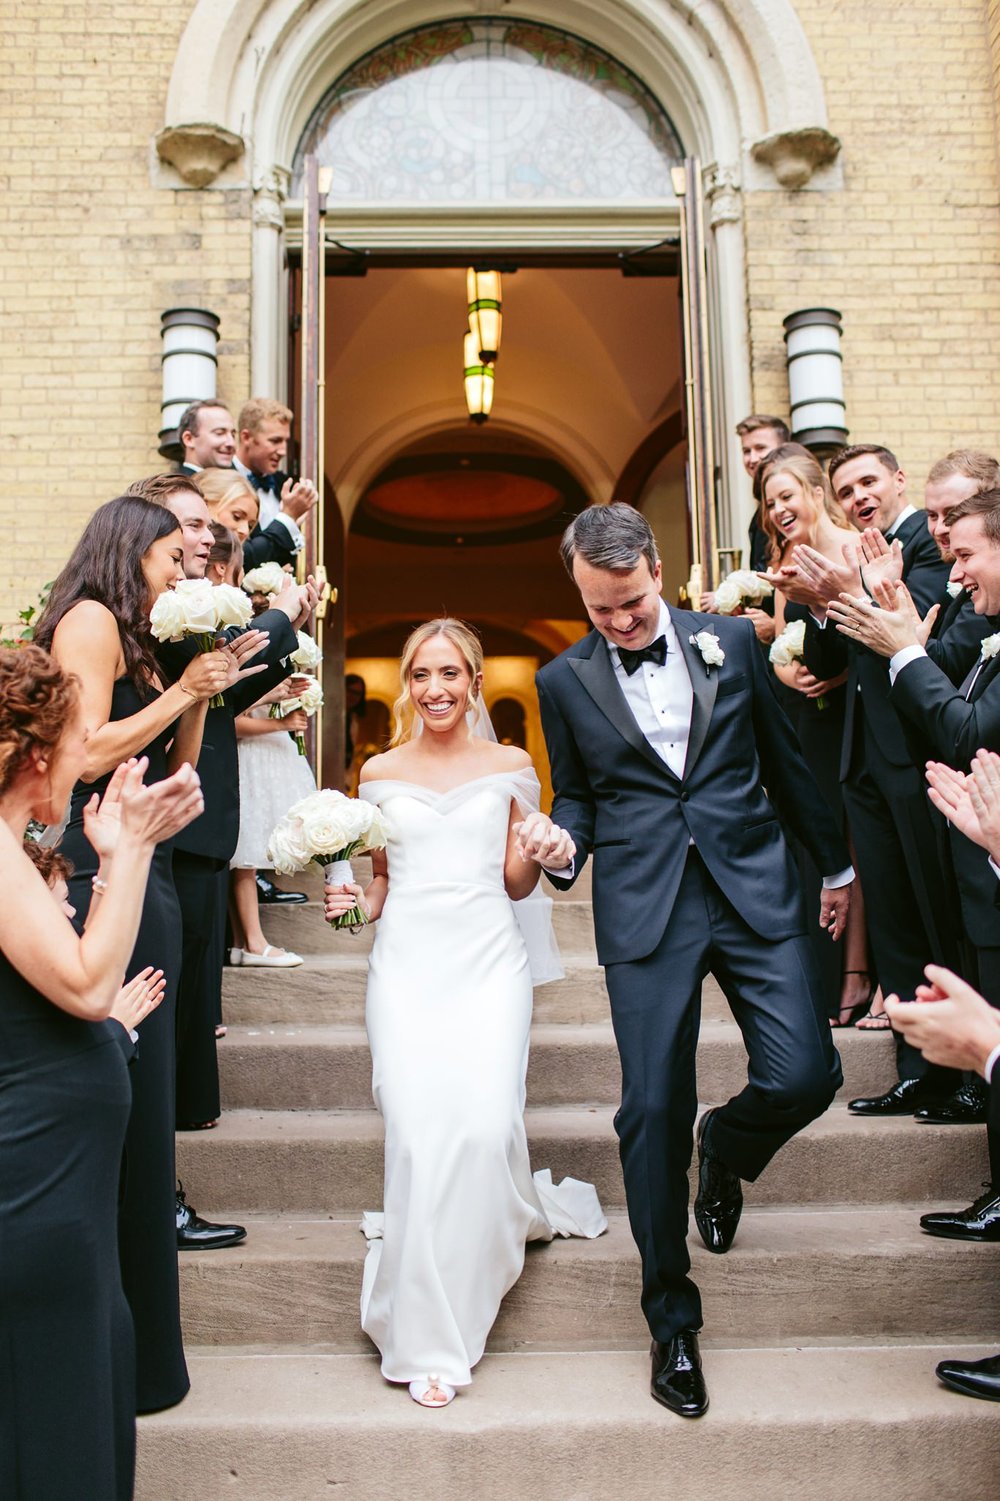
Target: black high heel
column 859, row 1009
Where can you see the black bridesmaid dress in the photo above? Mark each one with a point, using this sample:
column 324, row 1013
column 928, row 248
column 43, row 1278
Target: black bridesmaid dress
column 147, row 1218
column 67, row 1366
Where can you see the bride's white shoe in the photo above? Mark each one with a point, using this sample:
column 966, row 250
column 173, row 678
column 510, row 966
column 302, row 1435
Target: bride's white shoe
column 431, row 1393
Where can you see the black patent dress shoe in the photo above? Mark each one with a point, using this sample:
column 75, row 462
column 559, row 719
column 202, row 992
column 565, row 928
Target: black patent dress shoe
column 981, row 1221
column 973, row 1378
column 719, row 1202
column 267, row 893
column 676, row 1380
column 967, row 1106
column 904, row 1098
column 196, row 1234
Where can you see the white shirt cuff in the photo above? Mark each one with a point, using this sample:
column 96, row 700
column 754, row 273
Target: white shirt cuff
column 991, row 1064
column 565, row 872
column 901, row 659
column 292, row 530
column 842, row 878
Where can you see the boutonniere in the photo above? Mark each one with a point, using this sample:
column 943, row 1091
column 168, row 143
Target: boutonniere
column 954, row 588
column 989, row 647
column 712, row 654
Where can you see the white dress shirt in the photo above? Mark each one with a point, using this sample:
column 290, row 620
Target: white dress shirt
column 660, row 698
column 270, row 509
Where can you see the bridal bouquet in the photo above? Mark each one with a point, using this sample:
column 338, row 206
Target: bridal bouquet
column 196, row 608
column 309, row 699
column 266, row 578
column 789, row 647
column 327, row 828
column 307, row 654
column 739, row 588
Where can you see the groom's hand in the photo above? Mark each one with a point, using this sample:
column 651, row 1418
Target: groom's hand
column 539, row 839
column 835, row 903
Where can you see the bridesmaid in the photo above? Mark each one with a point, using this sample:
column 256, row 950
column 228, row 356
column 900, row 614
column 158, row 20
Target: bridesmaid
column 96, row 624
column 67, row 1371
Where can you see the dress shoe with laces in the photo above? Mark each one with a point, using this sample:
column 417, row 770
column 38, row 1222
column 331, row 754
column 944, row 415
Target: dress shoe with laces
column 677, row 1381
column 267, row 893
column 196, row 1234
column 719, row 1202
column 973, row 1378
column 904, row 1098
column 981, row 1221
column 968, row 1105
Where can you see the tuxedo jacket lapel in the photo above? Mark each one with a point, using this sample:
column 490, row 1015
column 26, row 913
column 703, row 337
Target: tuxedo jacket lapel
column 596, row 674
column 704, row 682
column 979, row 678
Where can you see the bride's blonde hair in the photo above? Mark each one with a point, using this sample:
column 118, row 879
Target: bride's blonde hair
column 460, row 635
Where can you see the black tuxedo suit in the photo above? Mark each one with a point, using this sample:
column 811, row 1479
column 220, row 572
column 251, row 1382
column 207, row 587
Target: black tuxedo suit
column 667, row 912
column 201, row 858
column 272, row 543
column 886, row 799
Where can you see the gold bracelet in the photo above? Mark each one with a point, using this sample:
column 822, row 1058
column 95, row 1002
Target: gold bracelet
column 190, row 695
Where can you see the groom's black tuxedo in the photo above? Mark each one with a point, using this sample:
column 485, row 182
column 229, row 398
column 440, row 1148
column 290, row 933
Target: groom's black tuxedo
column 668, row 910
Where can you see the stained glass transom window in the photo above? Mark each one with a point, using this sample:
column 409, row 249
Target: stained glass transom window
column 490, row 111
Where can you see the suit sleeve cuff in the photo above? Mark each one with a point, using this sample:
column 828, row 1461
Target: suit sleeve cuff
column 294, row 534
column 842, row 878
column 901, row 659
column 991, row 1064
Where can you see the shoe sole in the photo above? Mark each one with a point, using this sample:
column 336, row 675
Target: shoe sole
column 977, row 1235
column 216, row 1245
column 968, row 1391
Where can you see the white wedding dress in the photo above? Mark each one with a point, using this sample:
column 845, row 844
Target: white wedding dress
column 448, row 1016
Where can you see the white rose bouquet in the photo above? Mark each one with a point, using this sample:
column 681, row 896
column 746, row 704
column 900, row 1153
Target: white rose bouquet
column 327, row 828
column 789, row 647
column 307, row 655
column 266, row 578
column 194, row 607
column 308, row 699
column 739, row 588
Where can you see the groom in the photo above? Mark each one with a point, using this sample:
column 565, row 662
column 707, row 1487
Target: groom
column 663, row 732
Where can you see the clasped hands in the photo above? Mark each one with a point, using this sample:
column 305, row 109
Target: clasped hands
column 539, row 839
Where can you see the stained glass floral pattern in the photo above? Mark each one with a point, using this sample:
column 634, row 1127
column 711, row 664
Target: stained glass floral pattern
column 494, row 112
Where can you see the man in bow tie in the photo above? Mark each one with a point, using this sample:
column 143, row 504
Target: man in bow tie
column 264, row 429
column 662, row 732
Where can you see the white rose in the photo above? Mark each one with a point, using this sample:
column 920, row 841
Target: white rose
column 727, row 597
column 166, row 618
column 989, row 647
column 307, row 654
column 199, row 606
column 707, row 643
column 232, row 606
column 287, row 848
column 311, row 697
column 789, row 646
column 742, row 586
column 266, row 578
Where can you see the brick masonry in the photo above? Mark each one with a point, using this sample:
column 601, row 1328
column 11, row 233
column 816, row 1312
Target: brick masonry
column 91, row 252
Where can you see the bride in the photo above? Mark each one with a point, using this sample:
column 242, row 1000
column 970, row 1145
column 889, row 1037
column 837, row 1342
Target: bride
column 448, row 1016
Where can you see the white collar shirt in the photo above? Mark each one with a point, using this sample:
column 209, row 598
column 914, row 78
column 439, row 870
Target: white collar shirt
column 660, row 698
column 904, row 515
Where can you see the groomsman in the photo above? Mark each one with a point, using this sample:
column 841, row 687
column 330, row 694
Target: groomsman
column 208, row 435
column 262, row 447
column 884, row 795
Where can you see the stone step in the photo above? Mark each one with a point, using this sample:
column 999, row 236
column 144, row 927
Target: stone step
column 303, row 929
column 322, row 1160
column 831, row 1423
column 298, row 1279
column 329, row 1067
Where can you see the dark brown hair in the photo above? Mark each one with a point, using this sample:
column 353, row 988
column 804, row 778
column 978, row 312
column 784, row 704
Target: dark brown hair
column 885, row 456
column 37, row 700
column 226, row 546
column 50, row 863
column 160, row 487
column 758, row 420
column 106, row 565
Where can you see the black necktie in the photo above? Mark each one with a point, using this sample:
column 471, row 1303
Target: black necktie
column 262, row 481
column 656, row 652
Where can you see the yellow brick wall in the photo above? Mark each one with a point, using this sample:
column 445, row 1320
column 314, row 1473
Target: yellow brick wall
column 910, row 250
column 90, row 255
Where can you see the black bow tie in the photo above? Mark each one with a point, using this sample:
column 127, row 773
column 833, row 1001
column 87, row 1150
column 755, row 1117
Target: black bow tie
column 263, row 481
column 656, row 652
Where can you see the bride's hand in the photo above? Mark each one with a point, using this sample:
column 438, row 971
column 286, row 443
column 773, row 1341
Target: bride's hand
column 539, row 839
column 339, row 900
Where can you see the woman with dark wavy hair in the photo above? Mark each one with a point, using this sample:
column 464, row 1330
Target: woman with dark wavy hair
column 97, row 625
column 67, row 1370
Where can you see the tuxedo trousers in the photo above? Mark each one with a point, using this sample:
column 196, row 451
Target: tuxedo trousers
column 986, row 977
column 910, row 903
column 201, row 884
column 793, row 1074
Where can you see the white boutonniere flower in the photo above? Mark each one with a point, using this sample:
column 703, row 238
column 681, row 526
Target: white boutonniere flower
column 954, row 588
column 707, row 643
column 989, row 647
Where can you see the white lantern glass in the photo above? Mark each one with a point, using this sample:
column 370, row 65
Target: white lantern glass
column 485, row 298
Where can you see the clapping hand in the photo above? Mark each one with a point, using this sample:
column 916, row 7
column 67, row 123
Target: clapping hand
column 138, row 997
column 102, row 816
column 950, row 1023
column 241, row 649
column 886, row 630
column 823, row 576
column 539, row 839
column 151, row 814
column 971, row 803
column 881, row 561
column 298, row 498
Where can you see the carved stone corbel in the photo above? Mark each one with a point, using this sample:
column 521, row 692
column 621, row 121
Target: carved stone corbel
column 722, row 194
column 198, row 152
column 794, row 155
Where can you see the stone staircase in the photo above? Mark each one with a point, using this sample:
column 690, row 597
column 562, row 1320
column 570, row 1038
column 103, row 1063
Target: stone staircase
column 823, row 1324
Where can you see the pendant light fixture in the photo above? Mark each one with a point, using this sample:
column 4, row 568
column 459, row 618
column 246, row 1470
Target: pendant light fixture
column 478, row 381
column 485, row 300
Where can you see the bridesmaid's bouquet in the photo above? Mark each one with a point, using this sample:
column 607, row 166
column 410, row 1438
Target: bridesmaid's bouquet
column 307, row 655
column 327, row 828
column 740, row 588
column 789, row 647
column 309, row 699
column 195, row 608
column 266, row 578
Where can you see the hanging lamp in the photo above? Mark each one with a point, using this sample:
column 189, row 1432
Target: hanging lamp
column 478, row 381
column 485, row 300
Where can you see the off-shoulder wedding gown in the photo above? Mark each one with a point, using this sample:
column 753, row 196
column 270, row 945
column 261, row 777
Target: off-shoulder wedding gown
column 448, row 1016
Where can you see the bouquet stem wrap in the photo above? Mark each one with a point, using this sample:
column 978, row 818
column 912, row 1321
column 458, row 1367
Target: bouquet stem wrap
column 339, row 872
